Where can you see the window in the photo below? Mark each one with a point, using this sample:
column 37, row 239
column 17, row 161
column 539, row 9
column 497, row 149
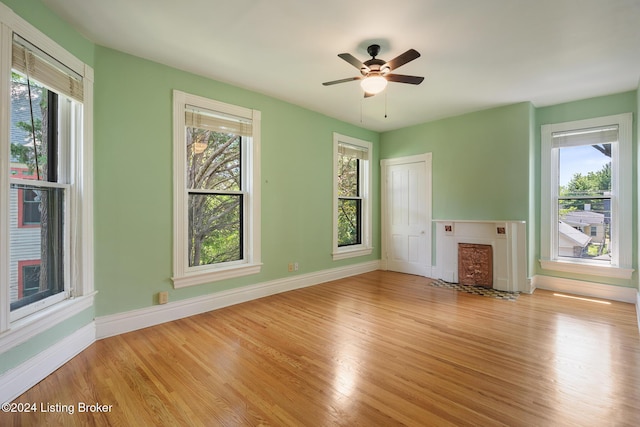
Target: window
column 216, row 167
column 28, row 278
column 46, row 253
column 31, row 212
column 35, row 144
column 352, row 205
column 586, row 196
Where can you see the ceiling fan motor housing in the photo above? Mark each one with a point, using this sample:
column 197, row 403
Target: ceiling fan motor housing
column 374, row 66
column 373, row 50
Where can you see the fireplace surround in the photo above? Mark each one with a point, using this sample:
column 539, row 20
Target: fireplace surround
column 507, row 243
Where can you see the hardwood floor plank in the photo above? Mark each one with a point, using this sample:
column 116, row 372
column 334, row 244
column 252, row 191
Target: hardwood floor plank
column 378, row 349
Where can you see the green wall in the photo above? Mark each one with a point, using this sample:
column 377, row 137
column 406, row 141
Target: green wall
column 54, row 27
column 471, row 156
column 133, row 182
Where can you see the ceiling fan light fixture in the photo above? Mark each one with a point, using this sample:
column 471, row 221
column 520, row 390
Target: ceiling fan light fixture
column 373, row 84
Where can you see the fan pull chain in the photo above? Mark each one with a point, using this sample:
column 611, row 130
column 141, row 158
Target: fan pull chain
column 385, row 104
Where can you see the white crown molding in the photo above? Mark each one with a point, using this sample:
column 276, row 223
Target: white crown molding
column 21, row 378
column 120, row 323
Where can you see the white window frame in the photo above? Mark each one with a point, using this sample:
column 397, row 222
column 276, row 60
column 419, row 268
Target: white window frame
column 79, row 264
column 183, row 274
column 365, row 247
column 621, row 200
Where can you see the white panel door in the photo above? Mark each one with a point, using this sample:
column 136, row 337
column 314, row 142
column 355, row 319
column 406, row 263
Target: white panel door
column 408, row 217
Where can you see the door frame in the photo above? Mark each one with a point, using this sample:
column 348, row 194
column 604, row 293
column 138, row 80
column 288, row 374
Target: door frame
column 384, row 208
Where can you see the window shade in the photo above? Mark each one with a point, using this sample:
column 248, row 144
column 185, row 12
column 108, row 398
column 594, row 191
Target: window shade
column 217, row 122
column 592, row 136
column 353, row 151
column 41, row 67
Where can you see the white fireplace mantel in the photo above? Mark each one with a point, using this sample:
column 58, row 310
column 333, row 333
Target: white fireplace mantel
column 508, row 241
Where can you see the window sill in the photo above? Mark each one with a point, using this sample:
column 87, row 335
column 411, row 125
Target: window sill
column 28, row 327
column 587, row 268
column 200, row 278
column 351, row 253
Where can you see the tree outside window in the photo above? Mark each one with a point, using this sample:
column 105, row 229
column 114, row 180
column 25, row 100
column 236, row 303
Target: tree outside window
column 215, row 210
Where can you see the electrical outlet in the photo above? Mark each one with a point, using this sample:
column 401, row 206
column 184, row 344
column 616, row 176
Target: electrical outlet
column 163, row 297
column 295, row 266
column 290, row 267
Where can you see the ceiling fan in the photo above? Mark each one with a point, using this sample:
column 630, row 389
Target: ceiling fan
column 377, row 72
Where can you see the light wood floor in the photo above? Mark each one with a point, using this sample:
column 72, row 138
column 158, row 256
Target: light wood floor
column 379, row 349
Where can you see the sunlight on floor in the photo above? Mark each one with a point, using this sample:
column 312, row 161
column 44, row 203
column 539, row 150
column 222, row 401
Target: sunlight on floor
column 582, row 298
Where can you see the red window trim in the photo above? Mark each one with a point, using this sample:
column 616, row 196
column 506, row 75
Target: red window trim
column 23, row 175
column 21, row 264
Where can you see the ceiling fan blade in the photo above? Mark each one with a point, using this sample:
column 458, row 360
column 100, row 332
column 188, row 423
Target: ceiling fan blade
column 353, row 61
column 348, row 79
column 401, row 78
column 402, row 59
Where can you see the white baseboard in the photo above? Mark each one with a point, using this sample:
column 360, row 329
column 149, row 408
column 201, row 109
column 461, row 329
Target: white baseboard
column 120, row 323
column 638, row 308
column 579, row 287
column 21, row 378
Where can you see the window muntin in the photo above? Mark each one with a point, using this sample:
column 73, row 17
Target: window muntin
column 352, row 205
column 216, row 190
column 588, row 134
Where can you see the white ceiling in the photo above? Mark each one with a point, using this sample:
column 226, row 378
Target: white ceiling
column 476, row 54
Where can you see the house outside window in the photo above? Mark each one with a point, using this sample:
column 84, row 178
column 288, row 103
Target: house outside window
column 216, row 172
column 352, row 197
column 586, row 196
column 46, row 246
column 28, row 278
column 31, row 213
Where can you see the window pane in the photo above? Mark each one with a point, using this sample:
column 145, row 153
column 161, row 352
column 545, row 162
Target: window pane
column 585, row 170
column 30, row 206
column 42, row 245
column 29, row 160
column 30, row 280
column 213, row 160
column 348, row 185
column 215, row 228
column 584, row 203
column 349, row 222
column 584, row 229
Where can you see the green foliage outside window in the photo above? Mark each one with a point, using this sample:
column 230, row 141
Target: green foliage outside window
column 215, row 210
column 349, row 202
